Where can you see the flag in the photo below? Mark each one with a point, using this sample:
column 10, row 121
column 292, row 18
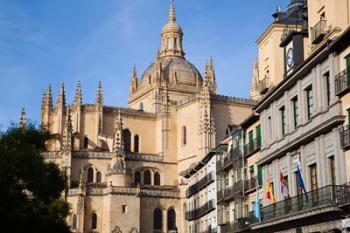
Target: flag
column 269, row 192
column 257, row 211
column 301, row 182
column 284, row 186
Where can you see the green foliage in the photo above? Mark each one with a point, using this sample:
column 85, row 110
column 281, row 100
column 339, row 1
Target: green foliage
column 30, row 189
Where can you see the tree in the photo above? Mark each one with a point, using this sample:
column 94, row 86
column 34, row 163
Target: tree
column 30, row 189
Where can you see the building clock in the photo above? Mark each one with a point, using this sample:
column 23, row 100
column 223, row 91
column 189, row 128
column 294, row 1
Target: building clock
column 290, row 57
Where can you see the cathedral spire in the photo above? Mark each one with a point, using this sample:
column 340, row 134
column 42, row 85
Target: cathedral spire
column 23, row 120
column 209, row 75
column 99, row 96
column 78, row 96
column 134, row 80
column 118, row 143
column 48, row 100
column 171, row 36
column 61, row 100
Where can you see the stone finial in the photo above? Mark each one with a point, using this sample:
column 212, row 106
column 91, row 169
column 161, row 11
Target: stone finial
column 61, row 99
column 67, row 133
column 118, row 142
column 48, row 100
column 81, row 179
column 172, row 16
column 78, row 95
column 99, row 97
column 209, row 75
column 134, row 80
column 23, row 120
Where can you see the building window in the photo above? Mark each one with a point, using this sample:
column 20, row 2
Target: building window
column 184, row 135
column 309, row 101
column 295, row 112
column 99, row 125
column 90, row 175
column 269, row 124
column 283, row 120
column 251, row 137
column 98, row 177
column 260, row 176
column 137, row 178
column 313, row 176
column 74, row 222
column 86, row 142
column 157, row 219
column 156, row 178
column 258, row 134
column 251, row 171
column 171, row 220
column 332, row 168
column 136, row 143
column 327, row 87
column 127, row 140
column 147, row 177
column 175, row 43
column 124, row 209
column 348, row 111
column 94, row 221
column 141, row 106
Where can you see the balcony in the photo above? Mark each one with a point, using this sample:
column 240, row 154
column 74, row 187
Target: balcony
column 232, row 159
column 342, row 83
column 235, row 191
column 236, row 226
column 345, row 137
column 250, row 185
column 318, row 32
column 205, row 181
column 320, row 202
column 252, row 147
column 203, row 210
column 263, row 85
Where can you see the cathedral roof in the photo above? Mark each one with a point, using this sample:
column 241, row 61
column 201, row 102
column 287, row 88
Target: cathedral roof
column 176, row 70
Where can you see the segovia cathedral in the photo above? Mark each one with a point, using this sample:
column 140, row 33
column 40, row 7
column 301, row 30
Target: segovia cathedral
column 123, row 164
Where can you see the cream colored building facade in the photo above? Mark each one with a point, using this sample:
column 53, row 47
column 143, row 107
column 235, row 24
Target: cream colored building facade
column 123, row 164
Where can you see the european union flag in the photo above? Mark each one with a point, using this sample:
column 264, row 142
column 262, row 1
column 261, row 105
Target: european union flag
column 301, row 182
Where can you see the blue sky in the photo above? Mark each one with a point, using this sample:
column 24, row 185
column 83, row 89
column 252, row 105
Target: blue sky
column 44, row 42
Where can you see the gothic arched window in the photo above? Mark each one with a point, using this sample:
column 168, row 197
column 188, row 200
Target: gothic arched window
column 147, row 177
column 171, row 219
column 157, row 219
column 86, row 142
column 184, row 135
column 137, row 178
column 94, row 221
column 127, row 140
column 98, row 177
column 74, row 222
column 90, row 175
column 156, row 178
column 136, row 143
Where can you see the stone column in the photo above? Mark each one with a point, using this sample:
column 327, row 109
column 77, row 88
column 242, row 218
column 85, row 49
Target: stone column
column 165, row 221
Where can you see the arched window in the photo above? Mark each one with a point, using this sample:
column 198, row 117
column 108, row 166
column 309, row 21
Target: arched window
column 184, row 135
column 157, row 219
column 156, row 178
column 98, row 177
column 74, row 222
column 127, row 140
column 94, row 221
column 137, row 178
column 90, row 175
column 86, row 142
column 136, row 143
column 171, row 219
column 147, row 177
column 141, row 106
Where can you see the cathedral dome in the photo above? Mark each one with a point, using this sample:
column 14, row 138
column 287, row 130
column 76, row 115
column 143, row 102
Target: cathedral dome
column 175, row 70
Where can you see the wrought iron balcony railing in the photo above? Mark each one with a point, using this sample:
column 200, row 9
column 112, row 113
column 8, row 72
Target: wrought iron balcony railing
column 345, row 137
column 203, row 210
column 332, row 195
column 230, row 160
column 202, row 183
column 318, row 32
column 210, row 230
column 263, row 85
column 342, row 82
column 251, row 184
column 252, row 147
column 239, row 225
column 236, row 190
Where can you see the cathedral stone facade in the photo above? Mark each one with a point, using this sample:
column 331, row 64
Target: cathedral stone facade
column 123, row 164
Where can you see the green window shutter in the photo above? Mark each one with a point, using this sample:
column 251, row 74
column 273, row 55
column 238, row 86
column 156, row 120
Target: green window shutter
column 251, row 137
column 258, row 134
column 260, row 177
column 348, row 110
column 348, row 68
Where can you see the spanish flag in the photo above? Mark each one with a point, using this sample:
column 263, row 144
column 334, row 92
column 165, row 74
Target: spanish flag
column 269, row 192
